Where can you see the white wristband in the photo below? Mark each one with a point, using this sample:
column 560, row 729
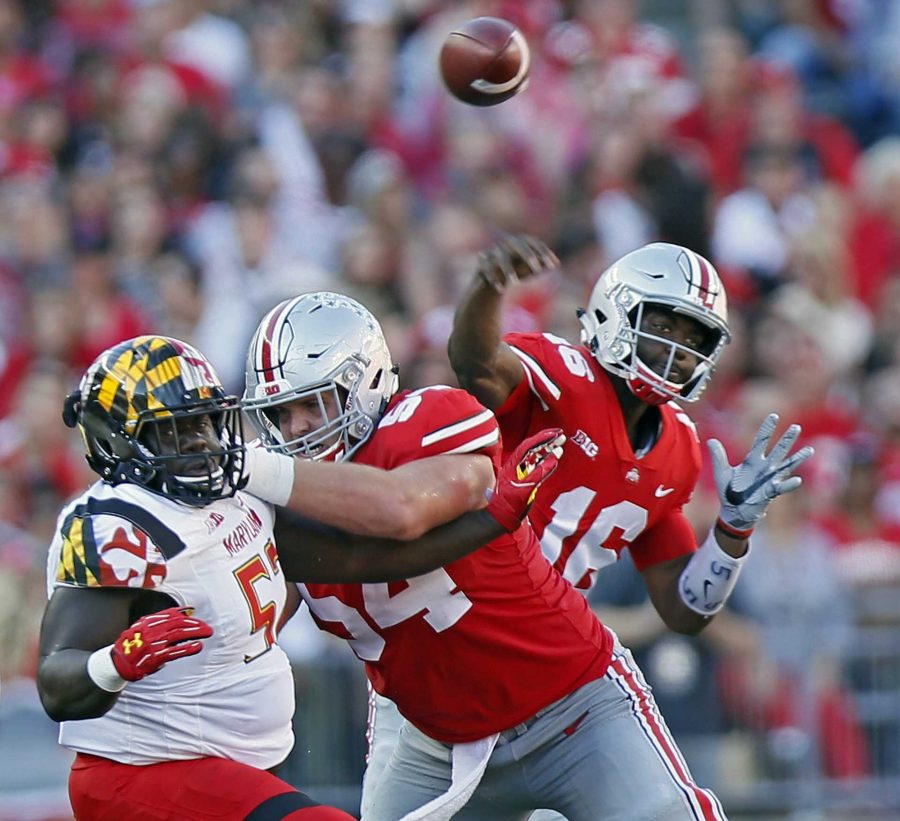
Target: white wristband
column 710, row 576
column 270, row 476
column 102, row 671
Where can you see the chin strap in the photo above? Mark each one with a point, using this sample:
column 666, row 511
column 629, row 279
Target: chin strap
column 72, row 409
column 644, row 391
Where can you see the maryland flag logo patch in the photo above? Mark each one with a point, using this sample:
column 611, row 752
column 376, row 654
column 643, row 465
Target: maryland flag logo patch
column 102, row 548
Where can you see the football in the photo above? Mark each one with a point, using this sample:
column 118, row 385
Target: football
column 485, row 61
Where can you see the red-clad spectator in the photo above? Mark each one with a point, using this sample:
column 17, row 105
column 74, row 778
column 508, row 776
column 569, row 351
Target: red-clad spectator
column 38, row 136
column 720, row 119
column 869, row 541
column 633, row 48
column 875, row 236
column 102, row 24
column 23, row 75
column 746, row 101
column 779, row 117
column 881, row 401
column 104, row 316
column 14, row 359
column 885, row 351
column 14, row 350
column 45, row 463
column 149, row 78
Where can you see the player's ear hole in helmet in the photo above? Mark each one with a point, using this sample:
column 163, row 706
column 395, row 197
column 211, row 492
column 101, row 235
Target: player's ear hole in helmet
column 325, row 353
column 666, row 278
column 152, row 412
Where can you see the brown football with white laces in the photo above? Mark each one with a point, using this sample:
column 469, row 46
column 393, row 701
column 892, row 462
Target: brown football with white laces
column 485, row 61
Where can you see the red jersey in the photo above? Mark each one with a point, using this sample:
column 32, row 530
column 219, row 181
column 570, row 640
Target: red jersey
column 603, row 497
column 481, row 644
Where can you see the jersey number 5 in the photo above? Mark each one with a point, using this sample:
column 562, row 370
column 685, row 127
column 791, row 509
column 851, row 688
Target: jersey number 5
column 263, row 616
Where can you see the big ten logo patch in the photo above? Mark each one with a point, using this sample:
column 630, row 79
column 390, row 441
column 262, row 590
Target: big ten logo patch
column 585, row 443
column 213, row 521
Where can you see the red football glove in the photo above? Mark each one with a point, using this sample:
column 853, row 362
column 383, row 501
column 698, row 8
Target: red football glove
column 521, row 475
column 158, row 638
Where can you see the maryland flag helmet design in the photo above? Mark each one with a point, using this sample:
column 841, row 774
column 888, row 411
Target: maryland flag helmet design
column 152, row 411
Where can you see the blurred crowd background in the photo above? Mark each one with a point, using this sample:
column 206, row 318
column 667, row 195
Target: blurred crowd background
column 179, row 166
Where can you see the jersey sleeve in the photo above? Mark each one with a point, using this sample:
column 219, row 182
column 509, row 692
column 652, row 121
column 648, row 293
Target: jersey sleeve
column 435, row 421
column 538, row 390
column 672, row 536
column 111, row 543
column 539, row 355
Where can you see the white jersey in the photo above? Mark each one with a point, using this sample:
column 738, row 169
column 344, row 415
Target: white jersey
column 235, row 698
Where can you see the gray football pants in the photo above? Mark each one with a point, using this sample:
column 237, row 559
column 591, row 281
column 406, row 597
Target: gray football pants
column 384, row 727
column 602, row 753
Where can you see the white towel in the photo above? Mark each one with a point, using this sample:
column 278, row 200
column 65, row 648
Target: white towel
column 469, row 763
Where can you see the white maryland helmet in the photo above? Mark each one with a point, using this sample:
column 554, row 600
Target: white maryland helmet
column 311, row 345
column 664, row 275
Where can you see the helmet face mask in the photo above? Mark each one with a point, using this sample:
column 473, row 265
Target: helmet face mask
column 661, row 278
column 326, row 353
column 332, row 408
column 171, row 442
column 152, row 412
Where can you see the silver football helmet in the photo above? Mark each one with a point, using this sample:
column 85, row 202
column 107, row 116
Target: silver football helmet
column 663, row 275
column 310, row 346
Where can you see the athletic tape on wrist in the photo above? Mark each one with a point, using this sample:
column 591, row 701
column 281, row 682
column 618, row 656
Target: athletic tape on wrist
column 270, row 476
column 710, row 576
column 102, row 671
column 734, row 532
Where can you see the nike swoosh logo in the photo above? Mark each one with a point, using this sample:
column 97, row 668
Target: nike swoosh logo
column 662, row 491
column 706, row 585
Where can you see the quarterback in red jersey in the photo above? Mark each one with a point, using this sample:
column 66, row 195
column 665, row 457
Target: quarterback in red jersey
column 496, row 662
column 623, row 498
column 654, row 328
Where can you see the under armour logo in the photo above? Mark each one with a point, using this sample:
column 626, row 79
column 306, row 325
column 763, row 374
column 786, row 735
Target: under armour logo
column 132, row 644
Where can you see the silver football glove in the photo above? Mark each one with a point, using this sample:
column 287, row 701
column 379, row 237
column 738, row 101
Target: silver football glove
column 746, row 489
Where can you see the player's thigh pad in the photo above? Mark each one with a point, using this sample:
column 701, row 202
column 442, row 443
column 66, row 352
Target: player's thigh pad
column 192, row 790
column 382, row 732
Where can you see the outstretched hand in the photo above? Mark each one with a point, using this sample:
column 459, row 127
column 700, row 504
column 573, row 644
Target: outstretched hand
column 514, row 258
column 521, row 475
column 746, row 489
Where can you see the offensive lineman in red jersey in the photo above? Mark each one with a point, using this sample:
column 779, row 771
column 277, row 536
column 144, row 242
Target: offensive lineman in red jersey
column 655, row 326
column 515, row 696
